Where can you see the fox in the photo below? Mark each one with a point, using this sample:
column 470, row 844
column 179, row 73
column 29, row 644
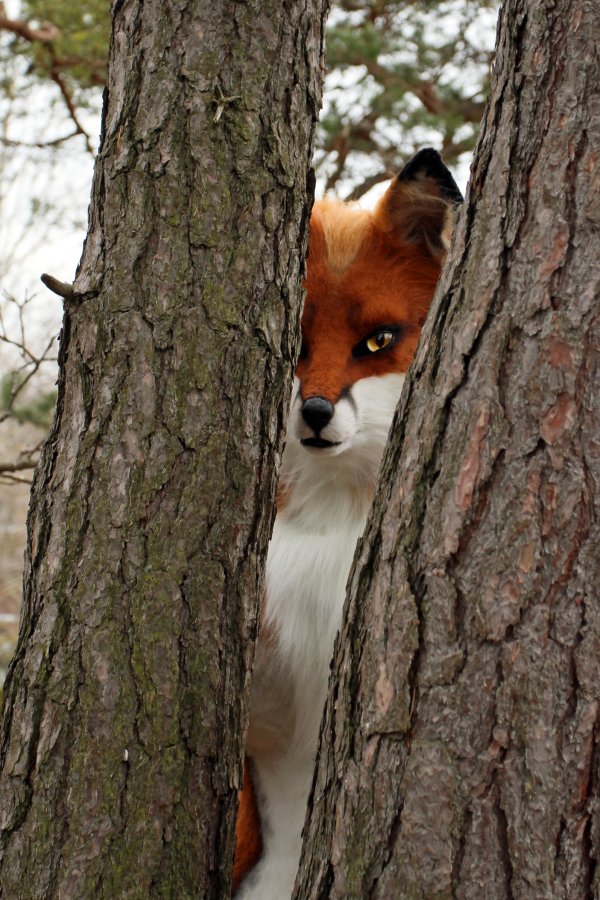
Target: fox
column 370, row 278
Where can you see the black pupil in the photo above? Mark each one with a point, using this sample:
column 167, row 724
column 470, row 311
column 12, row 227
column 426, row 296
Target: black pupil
column 381, row 339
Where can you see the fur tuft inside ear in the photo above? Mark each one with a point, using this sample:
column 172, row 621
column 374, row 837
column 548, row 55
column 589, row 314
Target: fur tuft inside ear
column 418, row 207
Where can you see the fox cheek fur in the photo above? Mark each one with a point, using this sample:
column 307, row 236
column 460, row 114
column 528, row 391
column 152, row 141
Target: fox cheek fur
column 370, row 279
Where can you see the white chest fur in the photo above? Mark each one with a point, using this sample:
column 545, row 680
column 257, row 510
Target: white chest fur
column 310, row 555
column 306, row 578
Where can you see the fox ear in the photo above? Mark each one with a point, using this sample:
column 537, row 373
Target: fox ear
column 418, row 207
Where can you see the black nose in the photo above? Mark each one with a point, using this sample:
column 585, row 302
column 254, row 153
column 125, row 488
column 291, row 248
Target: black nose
column 317, row 412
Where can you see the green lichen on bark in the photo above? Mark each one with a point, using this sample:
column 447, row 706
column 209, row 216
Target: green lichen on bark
column 152, row 508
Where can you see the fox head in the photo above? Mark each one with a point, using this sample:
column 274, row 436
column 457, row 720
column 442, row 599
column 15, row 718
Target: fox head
column 370, row 279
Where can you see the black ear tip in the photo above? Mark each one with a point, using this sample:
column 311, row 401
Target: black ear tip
column 428, row 156
column 427, row 163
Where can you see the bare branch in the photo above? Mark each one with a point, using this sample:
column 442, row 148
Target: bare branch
column 31, row 362
column 37, row 363
column 361, row 189
column 8, row 142
column 45, row 34
column 68, row 98
column 20, row 466
column 18, row 345
column 8, row 478
column 96, row 67
column 425, row 91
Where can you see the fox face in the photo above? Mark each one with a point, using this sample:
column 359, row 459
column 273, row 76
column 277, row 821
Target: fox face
column 370, row 280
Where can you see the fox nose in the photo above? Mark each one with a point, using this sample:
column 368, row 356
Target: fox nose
column 317, row 412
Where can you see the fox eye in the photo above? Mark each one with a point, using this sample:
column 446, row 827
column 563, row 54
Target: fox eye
column 386, row 336
column 379, row 341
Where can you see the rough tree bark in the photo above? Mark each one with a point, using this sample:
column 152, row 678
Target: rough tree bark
column 459, row 749
column 152, row 506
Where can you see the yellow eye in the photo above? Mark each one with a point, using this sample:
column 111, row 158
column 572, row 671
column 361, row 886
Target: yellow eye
column 379, row 341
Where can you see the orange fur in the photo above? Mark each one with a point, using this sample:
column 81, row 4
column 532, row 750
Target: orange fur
column 248, row 841
column 344, row 228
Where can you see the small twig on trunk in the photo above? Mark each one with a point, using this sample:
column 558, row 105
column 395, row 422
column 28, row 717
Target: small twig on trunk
column 58, row 287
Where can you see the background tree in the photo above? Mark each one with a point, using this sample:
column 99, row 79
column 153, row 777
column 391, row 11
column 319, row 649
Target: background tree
column 152, row 505
column 66, row 44
column 460, row 751
column 401, row 75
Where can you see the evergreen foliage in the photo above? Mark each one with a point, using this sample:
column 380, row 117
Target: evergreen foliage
column 37, row 410
column 400, row 75
column 79, row 46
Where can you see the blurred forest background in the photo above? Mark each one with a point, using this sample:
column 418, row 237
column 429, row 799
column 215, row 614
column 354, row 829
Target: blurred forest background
column 401, row 75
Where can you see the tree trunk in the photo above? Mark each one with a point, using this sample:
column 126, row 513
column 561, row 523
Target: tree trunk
column 459, row 750
column 152, row 506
